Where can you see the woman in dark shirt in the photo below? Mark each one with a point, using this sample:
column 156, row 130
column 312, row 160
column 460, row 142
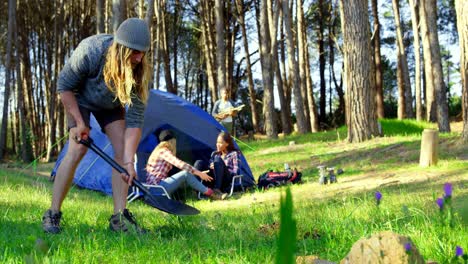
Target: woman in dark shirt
column 224, row 162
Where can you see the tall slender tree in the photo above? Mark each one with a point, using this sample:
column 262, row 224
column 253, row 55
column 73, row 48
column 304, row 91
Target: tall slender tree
column 220, row 45
column 405, row 106
column 266, row 61
column 294, row 69
column 100, row 28
column 379, row 98
column 304, row 69
column 252, row 94
column 417, row 57
column 440, row 89
column 461, row 7
column 359, row 75
column 6, row 94
column 427, row 56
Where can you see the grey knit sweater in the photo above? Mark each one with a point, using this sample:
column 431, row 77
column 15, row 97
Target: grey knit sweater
column 84, row 75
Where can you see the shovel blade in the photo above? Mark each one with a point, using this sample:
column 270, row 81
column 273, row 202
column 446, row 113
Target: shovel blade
column 170, row 206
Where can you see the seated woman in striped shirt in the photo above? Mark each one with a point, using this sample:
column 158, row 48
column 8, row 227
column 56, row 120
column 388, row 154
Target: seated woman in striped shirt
column 224, row 162
column 162, row 160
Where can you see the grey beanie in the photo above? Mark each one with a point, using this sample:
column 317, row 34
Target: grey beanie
column 134, row 33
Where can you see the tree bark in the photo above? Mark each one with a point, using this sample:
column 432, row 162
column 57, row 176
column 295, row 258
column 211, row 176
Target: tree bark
column 100, row 16
column 294, row 70
column 429, row 79
column 6, row 95
column 117, row 14
column 440, row 89
column 220, row 46
column 405, row 108
column 304, row 68
column 267, row 71
column 322, row 62
column 359, row 77
column 209, row 48
column 417, row 47
column 150, row 13
column 379, row 98
column 461, row 7
column 252, row 93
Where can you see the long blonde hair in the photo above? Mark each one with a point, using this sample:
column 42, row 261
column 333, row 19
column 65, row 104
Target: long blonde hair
column 123, row 80
column 170, row 144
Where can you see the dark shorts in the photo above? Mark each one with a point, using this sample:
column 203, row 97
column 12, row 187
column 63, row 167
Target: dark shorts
column 103, row 117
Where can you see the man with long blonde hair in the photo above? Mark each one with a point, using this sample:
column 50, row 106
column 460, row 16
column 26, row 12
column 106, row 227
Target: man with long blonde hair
column 108, row 76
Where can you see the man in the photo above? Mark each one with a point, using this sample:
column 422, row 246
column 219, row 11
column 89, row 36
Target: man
column 223, row 111
column 107, row 76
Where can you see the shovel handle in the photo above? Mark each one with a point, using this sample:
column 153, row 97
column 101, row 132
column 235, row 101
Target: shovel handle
column 90, row 144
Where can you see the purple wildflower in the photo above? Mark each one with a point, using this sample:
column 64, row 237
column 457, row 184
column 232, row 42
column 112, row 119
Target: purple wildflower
column 408, row 247
column 448, row 189
column 378, row 197
column 440, row 203
column 459, row 251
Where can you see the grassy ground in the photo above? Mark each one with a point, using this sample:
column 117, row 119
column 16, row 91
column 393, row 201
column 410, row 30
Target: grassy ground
column 244, row 229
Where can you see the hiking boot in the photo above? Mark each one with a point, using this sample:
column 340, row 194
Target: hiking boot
column 218, row 195
column 124, row 222
column 51, row 222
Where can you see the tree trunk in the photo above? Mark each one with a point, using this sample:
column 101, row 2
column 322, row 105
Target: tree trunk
column 322, row 62
column 440, row 89
column 304, row 67
column 100, row 16
column 379, row 98
column 294, row 70
column 117, row 14
column 209, row 48
column 175, row 40
column 220, row 47
column 462, row 26
column 150, row 13
column 6, row 95
column 417, row 47
column 405, row 109
column 267, row 71
column 252, row 93
column 359, row 77
column 164, row 48
column 25, row 147
column 429, row 79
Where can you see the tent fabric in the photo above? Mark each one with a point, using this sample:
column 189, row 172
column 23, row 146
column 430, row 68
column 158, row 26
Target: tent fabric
column 196, row 132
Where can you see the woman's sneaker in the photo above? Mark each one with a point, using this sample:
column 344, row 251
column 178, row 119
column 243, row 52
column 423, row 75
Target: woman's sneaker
column 218, row 195
column 51, row 222
column 124, row 222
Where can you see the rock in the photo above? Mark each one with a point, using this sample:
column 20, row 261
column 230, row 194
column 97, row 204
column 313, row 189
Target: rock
column 312, row 259
column 292, row 143
column 386, row 248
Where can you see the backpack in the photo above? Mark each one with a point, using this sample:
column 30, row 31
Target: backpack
column 271, row 179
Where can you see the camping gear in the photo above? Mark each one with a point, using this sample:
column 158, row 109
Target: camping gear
column 323, row 176
column 196, row 132
column 271, row 179
column 159, row 202
column 331, row 177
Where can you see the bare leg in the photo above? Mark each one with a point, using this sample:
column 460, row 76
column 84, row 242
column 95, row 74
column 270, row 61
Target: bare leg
column 65, row 173
column 115, row 132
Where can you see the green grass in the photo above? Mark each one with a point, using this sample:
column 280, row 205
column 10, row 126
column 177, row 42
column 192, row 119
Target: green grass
column 245, row 229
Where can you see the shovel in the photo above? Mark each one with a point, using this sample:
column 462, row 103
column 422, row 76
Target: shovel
column 159, row 202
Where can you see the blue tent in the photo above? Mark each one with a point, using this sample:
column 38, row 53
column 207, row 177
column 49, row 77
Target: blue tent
column 195, row 129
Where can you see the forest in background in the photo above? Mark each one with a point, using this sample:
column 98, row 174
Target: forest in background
column 322, row 58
